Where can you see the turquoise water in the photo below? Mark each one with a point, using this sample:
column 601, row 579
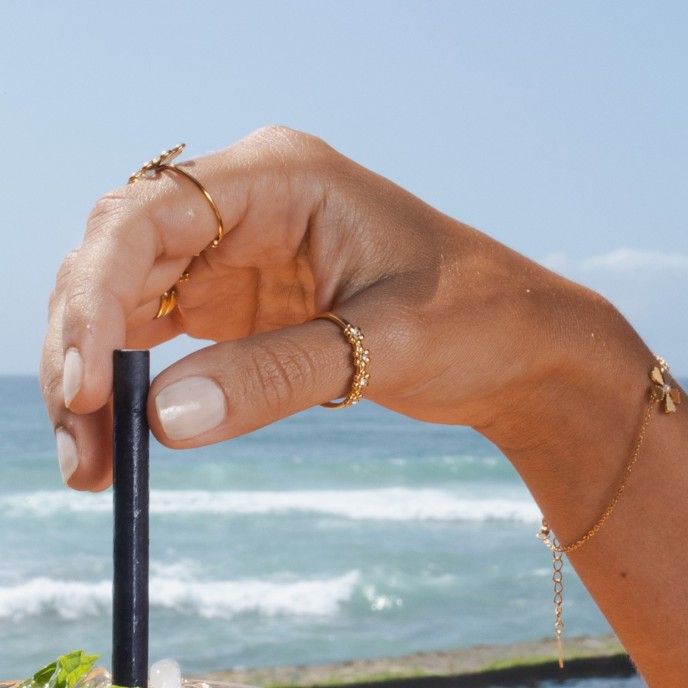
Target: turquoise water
column 328, row 536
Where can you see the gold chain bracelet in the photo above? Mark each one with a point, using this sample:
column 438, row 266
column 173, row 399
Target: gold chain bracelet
column 663, row 391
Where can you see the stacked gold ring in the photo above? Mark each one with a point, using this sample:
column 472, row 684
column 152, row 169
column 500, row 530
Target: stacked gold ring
column 150, row 170
column 361, row 359
column 168, row 302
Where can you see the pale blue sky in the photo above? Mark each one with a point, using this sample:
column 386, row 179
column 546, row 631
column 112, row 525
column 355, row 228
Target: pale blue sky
column 559, row 128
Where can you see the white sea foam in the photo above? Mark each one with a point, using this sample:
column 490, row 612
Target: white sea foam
column 384, row 504
column 184, row 569
column 205, row 599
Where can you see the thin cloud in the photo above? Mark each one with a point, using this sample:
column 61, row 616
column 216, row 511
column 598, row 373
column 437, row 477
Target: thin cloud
column 622, row 260
column 648, row 287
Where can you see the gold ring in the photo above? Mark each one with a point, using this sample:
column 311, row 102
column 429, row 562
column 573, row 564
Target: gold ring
column 150, row 170
column 168, row 301
column 153, row 167
column 361, row 359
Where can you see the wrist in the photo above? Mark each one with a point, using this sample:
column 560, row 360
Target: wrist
column 570, row 425
column 588, row 422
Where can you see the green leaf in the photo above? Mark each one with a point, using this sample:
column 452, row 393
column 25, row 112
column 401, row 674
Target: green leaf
column 65, row 672
column 74, row 667
column 42, row 676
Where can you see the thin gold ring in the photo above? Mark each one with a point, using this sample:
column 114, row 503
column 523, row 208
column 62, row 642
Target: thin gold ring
column 220, row 227
column 153, row 167
column 150, row 170
column 168, row 302
column 360, row 357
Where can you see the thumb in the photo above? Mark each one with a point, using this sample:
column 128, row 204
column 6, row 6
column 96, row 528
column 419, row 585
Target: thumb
column 232, row 388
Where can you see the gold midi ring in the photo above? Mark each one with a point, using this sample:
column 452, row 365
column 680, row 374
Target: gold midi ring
column 361, row 359
column 153, row 167
column 150, row 170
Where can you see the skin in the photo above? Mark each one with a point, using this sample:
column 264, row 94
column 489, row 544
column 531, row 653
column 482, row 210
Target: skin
column 461, row 330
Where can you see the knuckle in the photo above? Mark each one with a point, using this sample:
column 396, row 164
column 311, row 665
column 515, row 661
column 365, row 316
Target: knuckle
column 102, row 211
column 289, row 143
column 277, row 375
column 108, row 211
column 276, row 131
column 88, row 308
column 61, row 280
column 81, row 307
column 83, row 311
column 66, row 266
column 287, row 160
column 64, row 273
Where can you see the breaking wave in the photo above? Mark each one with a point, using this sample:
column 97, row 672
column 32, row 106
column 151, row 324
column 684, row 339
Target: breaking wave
column 384, row 504
column 206, row 599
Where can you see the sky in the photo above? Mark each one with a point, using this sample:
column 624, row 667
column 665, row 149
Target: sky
column 561, row 129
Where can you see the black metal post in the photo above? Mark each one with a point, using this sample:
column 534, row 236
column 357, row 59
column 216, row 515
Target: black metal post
column 130, row 538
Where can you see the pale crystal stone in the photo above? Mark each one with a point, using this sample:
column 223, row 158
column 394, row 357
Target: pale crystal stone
column 97, row 678
column 165, row 674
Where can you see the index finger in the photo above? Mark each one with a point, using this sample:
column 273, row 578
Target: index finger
column 130, row 233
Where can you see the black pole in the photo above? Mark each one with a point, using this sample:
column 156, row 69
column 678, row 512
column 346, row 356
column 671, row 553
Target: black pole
column 130, row 538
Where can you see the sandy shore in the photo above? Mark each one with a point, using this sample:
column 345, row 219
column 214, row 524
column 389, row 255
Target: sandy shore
column 589, row 656
column 481, row 665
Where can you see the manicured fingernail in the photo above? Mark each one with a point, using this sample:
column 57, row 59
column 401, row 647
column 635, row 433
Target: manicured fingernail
column 66, row 454
column 190, row 407
column 72, row 375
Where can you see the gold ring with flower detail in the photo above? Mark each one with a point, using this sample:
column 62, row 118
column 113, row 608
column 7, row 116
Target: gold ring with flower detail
column 361, row 359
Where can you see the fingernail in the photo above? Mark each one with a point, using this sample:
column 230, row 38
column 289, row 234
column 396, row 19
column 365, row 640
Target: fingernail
column 66, row 454
column 72, row 375
column 190, row 407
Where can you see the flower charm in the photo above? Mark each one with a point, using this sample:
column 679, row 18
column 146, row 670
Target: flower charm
column 152, row 167
column 662, row 387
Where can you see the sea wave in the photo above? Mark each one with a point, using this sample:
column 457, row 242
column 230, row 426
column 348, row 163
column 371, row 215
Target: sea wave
column 384, row 504
column 206, row 599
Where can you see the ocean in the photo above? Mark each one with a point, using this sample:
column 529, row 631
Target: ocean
column 328, row 536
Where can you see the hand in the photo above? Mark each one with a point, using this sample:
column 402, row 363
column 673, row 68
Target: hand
column 454, row 321
column 460, row 329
